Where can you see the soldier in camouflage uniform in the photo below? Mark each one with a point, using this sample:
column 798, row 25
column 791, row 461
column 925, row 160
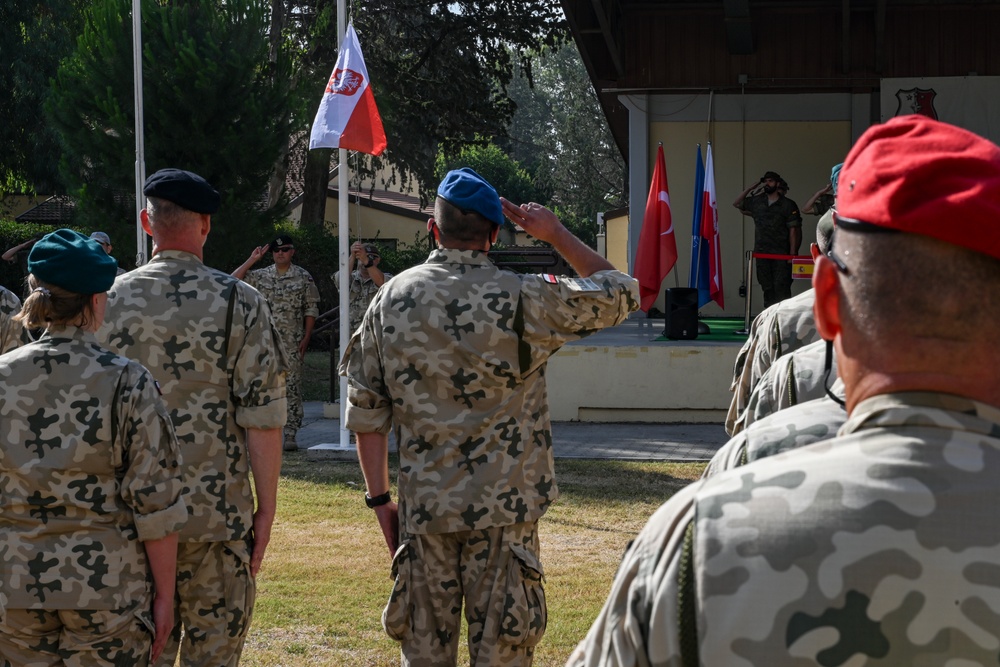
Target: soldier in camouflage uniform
column 794, row 378
column 452, row 354
column 366, row 279
column 12, row 333
column 779, row 330
column 91, row 500
column 210, row 341
column 294, row 301
column 879, row 546
column 777, row 230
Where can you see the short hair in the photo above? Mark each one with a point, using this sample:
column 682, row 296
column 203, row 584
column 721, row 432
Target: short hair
column 457, row 225
column 167, row 214
column 49, row 304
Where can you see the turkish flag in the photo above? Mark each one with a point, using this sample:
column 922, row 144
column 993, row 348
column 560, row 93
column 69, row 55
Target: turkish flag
column 657, row 251
column 347, row 115
column 710, row 232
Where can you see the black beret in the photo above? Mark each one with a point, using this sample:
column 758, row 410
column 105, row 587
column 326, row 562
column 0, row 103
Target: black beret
column 284, row 239
column 70, row 260
column 184, row 188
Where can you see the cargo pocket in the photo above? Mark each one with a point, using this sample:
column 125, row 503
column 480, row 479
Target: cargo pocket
column 524, row 612
column 240, row 587
column 396, row 617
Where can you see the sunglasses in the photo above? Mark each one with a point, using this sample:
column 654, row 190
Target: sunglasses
column 284, row 248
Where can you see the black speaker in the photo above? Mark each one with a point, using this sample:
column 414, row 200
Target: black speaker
column 682, row 313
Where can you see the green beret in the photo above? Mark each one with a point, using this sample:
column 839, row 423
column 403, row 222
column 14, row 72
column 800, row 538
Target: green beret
column 70, row 260
column 184, row 188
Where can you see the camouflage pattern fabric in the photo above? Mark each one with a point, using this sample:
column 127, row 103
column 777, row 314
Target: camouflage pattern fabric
column 90, row 468
column 496, row 572
column 823, row 204
column 791, row 428
column 780, row 329
column 453, row 353
column 771, row 222
column 292, row 297
column 794, row 378
column 215, row 600
column 81, row 638
column 12, row 334
column 362, row 291
column 209, row 340
column 877, row 547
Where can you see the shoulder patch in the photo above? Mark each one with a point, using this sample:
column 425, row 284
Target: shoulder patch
column 549, row 278
column 582, row 285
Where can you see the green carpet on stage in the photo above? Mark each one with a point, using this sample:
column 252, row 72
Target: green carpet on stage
column 723, row 330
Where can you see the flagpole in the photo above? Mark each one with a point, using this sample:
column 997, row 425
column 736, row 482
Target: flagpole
column 343, row 237
column 140, row 149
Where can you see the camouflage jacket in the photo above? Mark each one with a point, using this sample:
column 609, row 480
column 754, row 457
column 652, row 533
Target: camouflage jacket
column 785, row 327
column 877, row 547
column 292, row 297
column 362, row 291
column 794, row 378
column 90, row 469
column 209, row 340
column 771, row 222
column 453, row 353
column 12, row 334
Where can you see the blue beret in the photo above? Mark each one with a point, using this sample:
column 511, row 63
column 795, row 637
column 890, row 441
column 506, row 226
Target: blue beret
column 835, row 176
column 184, row 188
column 468, row 191
column 70, row 260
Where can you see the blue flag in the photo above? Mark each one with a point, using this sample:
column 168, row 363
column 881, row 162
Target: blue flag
column 699, row 251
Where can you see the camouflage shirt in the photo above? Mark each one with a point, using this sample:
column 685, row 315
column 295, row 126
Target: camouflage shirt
column 795, row 378
column 877, row 547
column 784, row 327
column 90, row 469
column 12, row 334
column 292, row 297
column 361, row 294
column 771, row 222
column 453, row 353
column 209, row 340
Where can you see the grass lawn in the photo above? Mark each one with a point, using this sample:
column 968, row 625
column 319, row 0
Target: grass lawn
column 326, row 576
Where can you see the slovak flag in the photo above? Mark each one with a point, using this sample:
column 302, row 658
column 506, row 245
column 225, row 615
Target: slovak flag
column 657, row 251
column 347, row 115
column 710, row 232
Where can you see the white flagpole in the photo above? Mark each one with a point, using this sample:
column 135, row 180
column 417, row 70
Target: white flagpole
column 343, row 238
column 140, row 150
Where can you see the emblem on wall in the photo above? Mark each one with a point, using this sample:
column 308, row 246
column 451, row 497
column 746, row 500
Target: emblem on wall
column 916, row 101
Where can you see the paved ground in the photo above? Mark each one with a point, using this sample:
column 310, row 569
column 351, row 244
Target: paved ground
column 583, row 440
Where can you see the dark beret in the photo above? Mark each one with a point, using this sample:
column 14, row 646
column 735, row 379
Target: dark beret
column 773, row 175
column 184, row 188
column 468, row 191
column 284, row 239
column 70, row 260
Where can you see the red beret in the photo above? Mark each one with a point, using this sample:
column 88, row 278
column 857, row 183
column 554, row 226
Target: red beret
column 921, row 176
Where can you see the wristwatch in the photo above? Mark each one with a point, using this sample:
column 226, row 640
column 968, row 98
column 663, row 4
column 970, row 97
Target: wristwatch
column 377, row 500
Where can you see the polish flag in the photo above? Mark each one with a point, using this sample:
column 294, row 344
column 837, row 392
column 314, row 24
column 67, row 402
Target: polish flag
column 347, row 115
column 657, row 251
column 710, row 232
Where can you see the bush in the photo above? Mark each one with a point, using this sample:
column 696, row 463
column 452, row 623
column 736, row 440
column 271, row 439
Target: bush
column 13, row 274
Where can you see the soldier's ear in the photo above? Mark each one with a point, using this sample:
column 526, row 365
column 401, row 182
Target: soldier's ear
column 826, row 282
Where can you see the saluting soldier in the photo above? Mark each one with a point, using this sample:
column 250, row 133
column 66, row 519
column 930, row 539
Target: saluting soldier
column 293, row 298
column 452, row 353
column 210, row 340
column 91, row 500
column 12, row 332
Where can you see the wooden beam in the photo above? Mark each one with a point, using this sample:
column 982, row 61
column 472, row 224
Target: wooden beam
column 608, row 14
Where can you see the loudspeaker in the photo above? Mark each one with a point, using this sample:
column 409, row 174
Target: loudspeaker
column 682, row 313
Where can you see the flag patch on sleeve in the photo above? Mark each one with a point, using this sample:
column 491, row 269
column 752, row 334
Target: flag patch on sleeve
column 550, row 279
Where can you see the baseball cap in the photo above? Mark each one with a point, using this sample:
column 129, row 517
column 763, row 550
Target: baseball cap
column 184, row 188
column 468, row 191
column 917, row 175
column 101, row 237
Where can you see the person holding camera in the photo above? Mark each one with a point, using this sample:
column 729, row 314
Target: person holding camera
column 366, row 279
column 777, row 230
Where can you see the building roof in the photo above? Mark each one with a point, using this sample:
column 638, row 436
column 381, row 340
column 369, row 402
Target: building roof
column 56, row 210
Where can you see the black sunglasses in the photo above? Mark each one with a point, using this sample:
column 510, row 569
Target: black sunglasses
column 284, row 248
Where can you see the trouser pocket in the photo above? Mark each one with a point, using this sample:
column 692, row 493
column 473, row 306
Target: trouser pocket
column 524, row 613
column 397, row 615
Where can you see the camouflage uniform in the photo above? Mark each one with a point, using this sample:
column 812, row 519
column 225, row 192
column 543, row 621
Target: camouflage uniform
column 794, row 378
column 210, row 340
column 453, row 353
column 782, row 328
column 361, row 294
column 12, row 334
column 90, row 470
column 878, row 547
column 771, row 224
column 292, row 297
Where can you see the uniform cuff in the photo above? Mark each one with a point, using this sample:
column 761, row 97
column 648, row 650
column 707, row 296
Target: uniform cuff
column 159, row 524
column 272, row 414
column 368, row 420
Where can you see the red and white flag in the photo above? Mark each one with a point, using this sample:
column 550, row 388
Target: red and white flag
column 710, row 232
column 657, row 251
column 347, row 115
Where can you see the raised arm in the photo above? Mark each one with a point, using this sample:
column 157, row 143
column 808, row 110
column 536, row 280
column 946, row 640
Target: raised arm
column 543, row 224
column 738, row 203
column 254, row 257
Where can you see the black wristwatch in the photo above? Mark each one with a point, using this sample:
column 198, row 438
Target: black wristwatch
column 377, row 500
column 370, row 263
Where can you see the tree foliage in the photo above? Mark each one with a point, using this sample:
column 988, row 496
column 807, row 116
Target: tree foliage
column 214, row 103
column 509, row 178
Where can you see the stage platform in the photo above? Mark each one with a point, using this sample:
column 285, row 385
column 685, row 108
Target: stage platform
column 631, row 373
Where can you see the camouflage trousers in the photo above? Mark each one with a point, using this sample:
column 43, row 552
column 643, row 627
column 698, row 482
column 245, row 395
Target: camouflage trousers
column 214, row 604
column 495, row 572
column 775, row 278
column 74, row 638
column 293, row 389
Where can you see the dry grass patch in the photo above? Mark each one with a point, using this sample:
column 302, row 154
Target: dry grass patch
column 326, row 576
